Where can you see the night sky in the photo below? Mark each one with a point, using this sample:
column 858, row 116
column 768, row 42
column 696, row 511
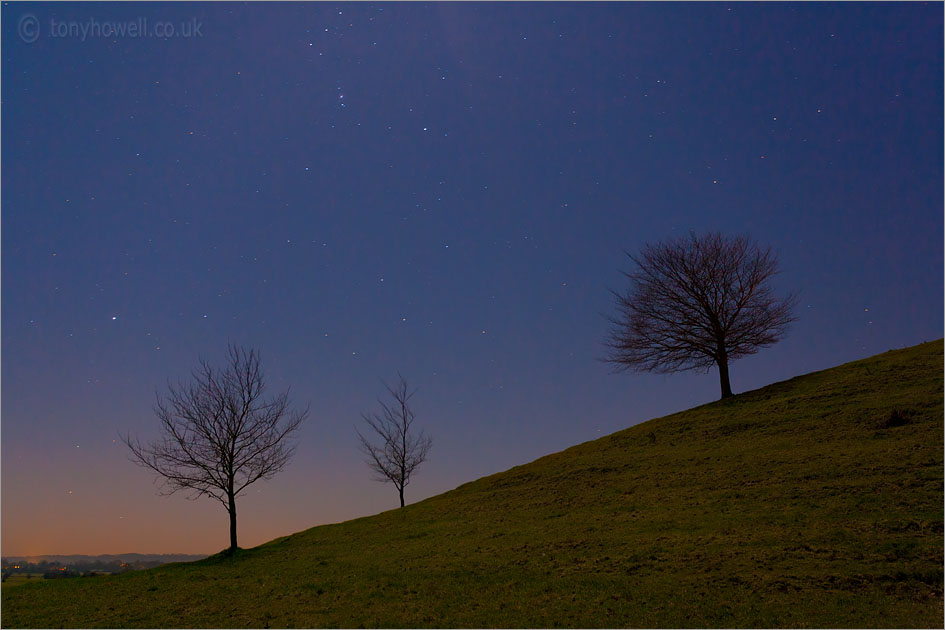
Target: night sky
column 443, row 190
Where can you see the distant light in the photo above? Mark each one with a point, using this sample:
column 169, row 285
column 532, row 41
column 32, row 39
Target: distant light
column 114, row 317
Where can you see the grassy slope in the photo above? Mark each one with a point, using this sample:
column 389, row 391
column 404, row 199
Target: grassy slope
column 786, row 506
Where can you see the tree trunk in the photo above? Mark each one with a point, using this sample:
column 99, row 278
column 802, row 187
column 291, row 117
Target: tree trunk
column 722, row 360
column 401, row 497
column 232, row 510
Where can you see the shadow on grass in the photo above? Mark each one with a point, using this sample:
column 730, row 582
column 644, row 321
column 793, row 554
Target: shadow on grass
column 227, row 556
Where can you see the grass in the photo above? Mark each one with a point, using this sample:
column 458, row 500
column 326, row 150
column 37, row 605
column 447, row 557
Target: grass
column 18, row 579
column 817, row 501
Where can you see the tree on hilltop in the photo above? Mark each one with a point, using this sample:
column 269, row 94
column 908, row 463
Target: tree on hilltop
column 400, row 450
column 219, row 433
column 697, row 302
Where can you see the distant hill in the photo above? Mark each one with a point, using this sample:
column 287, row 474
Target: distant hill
column 814, row 502
column 129, row 558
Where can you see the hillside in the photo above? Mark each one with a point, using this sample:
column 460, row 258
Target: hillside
column 812, row 502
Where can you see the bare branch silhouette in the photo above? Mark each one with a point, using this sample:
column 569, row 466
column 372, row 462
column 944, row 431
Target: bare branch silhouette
column 218, row 433
column 697, row 302
column 399, row 451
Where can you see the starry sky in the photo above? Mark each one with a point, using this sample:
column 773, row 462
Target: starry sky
column 443, row 190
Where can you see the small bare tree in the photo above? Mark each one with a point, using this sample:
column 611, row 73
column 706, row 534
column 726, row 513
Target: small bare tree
column 697, row 302
column 219, row 434
column 399, row 451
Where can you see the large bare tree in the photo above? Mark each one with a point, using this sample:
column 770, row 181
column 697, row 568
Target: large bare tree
column 398, row 450
column 219, row 434
column 697, row 302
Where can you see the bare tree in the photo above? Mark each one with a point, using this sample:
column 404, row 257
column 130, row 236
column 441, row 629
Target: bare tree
column 697, row 302
column 399, row 451
column 219, row 434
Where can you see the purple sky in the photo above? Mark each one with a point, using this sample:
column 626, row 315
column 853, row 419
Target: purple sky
column 444, row 190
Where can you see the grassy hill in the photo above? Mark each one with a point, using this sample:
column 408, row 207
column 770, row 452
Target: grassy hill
column 813, row 502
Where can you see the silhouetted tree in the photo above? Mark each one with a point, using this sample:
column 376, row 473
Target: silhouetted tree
column 399, row 451
column 697, row 302
column 219, row 434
